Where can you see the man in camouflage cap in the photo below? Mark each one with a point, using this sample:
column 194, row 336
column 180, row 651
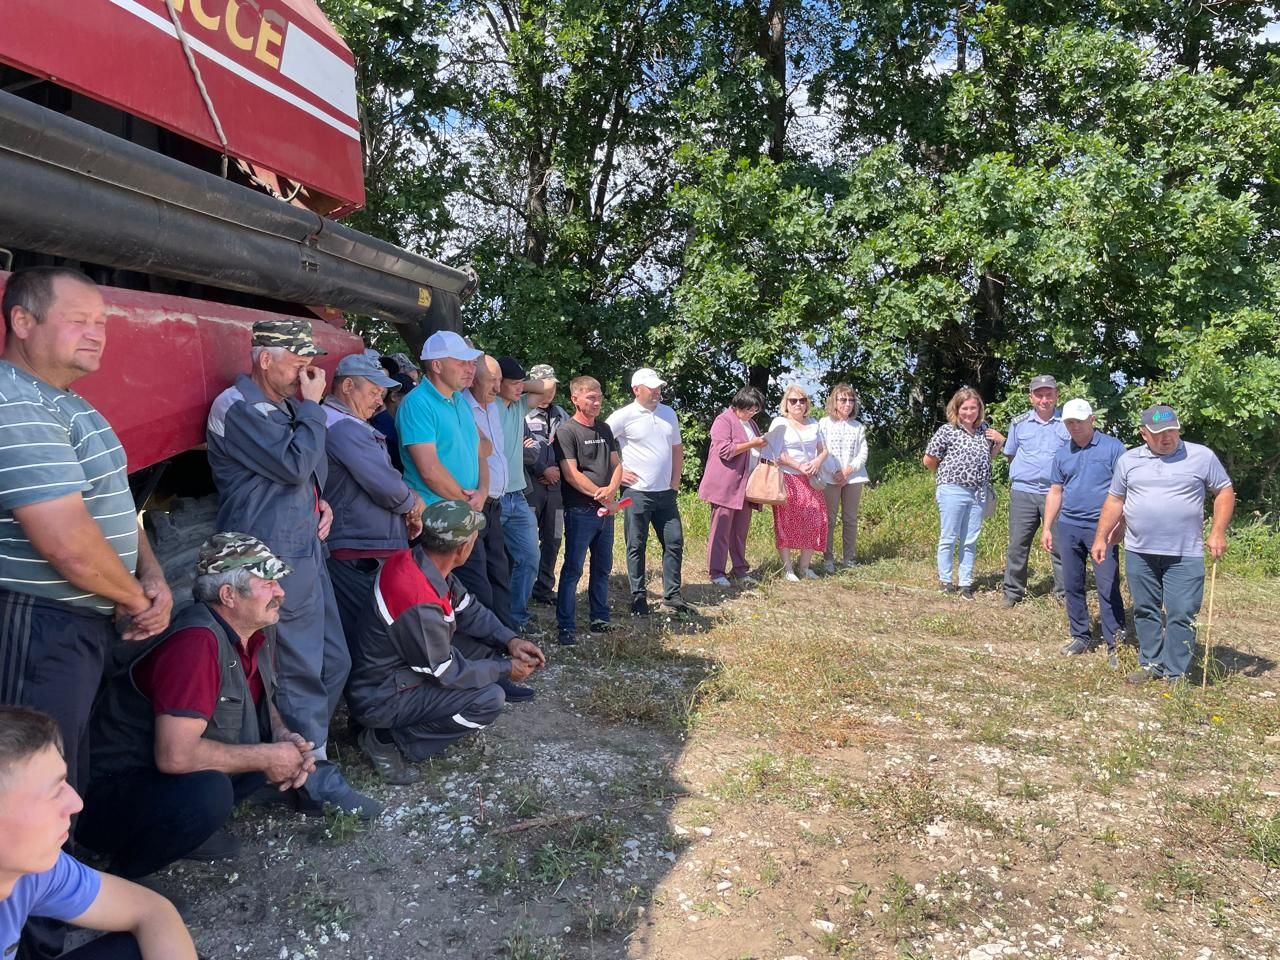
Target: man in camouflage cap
column 542, row 476
column 186, row 726
column 430, row 656
column 267, row 452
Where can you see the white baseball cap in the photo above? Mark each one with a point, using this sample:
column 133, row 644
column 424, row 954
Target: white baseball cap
column 647, row 377
column 1077, row 410
column 445, row 344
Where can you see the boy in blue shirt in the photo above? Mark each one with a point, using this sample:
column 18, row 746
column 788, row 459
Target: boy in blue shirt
column 38, row 879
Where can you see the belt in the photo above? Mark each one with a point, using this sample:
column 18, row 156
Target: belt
column 492, row 502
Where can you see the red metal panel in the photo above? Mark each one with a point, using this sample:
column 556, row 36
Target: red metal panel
column 279, row 77
column 167, row 358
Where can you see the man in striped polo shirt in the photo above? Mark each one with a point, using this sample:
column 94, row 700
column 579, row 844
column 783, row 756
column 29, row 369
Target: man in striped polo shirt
column 71, row 553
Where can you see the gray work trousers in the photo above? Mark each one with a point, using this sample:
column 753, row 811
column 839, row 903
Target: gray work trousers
column 1026, row 514
column 312, row 660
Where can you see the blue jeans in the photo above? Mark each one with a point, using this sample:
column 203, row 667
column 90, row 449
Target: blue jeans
column 960, row 512
column 584, row 530
column 520, row 531
column 1166, row 595
column 1072, row 542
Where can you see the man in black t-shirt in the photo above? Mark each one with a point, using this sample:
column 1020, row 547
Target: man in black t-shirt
column 591, row 471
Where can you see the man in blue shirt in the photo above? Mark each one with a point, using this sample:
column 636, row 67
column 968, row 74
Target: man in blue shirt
column 37, row 879
column 1157, row 496
column 1034, row 439
column 1079, row 480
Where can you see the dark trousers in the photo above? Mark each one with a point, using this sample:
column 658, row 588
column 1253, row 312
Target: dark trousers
column 583, row 531
column 112, row 946
column 487, row 572
column 430, row 717
column 548, row 509
column 145, row 820
column 1073, row 542
column 1166, row 592
column 661, row 511
column 1026, row 514
column 353, row 591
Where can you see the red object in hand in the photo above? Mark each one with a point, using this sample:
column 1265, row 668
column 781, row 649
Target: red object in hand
column 620, row 505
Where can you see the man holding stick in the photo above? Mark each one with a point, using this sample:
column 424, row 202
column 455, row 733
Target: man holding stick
column 1159, row 489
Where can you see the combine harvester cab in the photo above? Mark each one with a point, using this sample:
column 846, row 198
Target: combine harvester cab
column 190, row 156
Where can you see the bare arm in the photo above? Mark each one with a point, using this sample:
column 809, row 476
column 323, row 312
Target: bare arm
column 439, row 480
column 1052, row 506
column 930, row 461
column 125, row 907
column 1224, row 504
column 576, row 478
column 63, row 532
column 181, row 747
column 1109, row 524
column 615, row 481
column 537, row 390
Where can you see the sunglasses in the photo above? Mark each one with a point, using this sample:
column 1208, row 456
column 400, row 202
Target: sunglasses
column 796, row 400
column 844, row 399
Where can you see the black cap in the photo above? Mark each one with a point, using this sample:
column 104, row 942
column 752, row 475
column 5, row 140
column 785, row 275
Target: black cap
column 511, row 369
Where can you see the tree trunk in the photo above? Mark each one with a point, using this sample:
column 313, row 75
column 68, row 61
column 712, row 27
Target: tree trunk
column 773, row 50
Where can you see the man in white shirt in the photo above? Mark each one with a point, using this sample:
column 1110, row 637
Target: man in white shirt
column 648, row 436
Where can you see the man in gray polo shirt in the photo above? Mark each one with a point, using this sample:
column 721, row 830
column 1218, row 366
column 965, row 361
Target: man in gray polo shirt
column 1158, row 490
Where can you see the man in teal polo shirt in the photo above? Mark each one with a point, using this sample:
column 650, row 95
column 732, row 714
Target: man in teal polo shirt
column 442, row 450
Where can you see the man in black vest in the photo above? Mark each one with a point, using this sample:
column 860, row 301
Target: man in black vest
column 185, row 726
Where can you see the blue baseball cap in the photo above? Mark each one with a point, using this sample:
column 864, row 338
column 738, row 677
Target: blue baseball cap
column 360, row 365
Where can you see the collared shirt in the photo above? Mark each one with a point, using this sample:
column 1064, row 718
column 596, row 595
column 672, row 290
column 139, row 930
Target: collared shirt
column 54, row 443
column 1084, row 473
column 645, row 438
column 1032, row 443
column 1164, row 498
column 428, row 416
column 489, row 422
column 513, row 415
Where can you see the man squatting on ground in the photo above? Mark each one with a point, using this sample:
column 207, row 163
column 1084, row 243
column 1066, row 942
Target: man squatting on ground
column 1079, row 480
column 185, row 727
column 592, row 473
column 39, row 880
column 1034, row 439
column 648, row 436
column 374, row 511
column 430, row 656
column 1158, row 490
column 267, row 453
column 542, row 476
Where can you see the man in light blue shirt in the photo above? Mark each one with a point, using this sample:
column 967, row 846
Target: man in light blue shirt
column 1158, row 491
column 1033, row 441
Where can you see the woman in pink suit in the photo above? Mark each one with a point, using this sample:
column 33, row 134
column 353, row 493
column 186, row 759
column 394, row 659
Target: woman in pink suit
column 735, row 450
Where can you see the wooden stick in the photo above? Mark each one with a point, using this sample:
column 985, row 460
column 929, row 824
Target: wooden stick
column 1208, row 629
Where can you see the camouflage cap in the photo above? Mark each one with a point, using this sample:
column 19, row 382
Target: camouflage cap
column 543, row 371
column 404, row 363
column 292, row 335
column 452, row 521
column 234, row 551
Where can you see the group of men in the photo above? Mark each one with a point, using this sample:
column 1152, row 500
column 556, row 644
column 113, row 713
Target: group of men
column 1084, row 493
column 334, row 574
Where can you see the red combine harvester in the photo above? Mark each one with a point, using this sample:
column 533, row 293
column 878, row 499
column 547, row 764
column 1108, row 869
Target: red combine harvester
column 188, row 155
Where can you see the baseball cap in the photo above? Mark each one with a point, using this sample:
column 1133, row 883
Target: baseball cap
column 1077, row 410
column 404, row 363
column 1160, row 418
column 647, row 377
column 292, row 335
column 1043, row 380
column 543, row 371
column 359, row 365
column 445, row 344
column 452, row 521
column 236, row 551
column 511, row 369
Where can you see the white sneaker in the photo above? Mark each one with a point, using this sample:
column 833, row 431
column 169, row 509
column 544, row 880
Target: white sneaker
column 810, row 575
column 721, row 582
column 828, row 566
column 790, row 576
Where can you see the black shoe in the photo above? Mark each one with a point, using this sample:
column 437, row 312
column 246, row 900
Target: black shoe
column 546, row 600
column 567, row 638
column 946, row 587
column 681, row 607
column 515, row 692
column 220, row 846
column 387, row 759
column 967, row 592
column 603, row 626
column 639, row 607
column 1009, row 601
column 1077, row 647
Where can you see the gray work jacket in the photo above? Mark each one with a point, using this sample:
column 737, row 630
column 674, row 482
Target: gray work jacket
column 368, row 495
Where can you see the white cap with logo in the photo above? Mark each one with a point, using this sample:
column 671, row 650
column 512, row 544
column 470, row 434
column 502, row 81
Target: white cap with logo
column 1077, row 410
column 647, row 377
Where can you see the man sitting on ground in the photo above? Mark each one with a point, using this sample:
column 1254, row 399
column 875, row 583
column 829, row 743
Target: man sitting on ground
column 186, row 728
column 38, row 879
column 416, row 686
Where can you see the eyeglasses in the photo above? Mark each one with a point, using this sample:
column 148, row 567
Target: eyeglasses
column 844, row 399
column 796, row 400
